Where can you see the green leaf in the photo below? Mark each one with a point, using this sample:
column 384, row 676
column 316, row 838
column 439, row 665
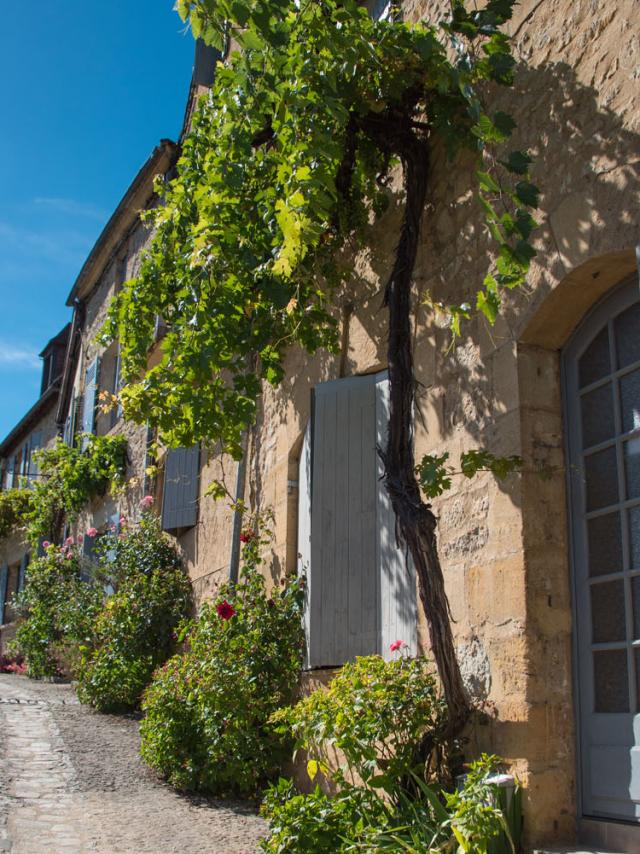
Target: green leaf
column 527, row 193
column 517, row 162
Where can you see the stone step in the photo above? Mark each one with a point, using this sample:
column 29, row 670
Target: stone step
column 579, row 850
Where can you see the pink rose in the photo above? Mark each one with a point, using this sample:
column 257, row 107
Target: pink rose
column 46, row 544
column 79, row 539
column 147, row 502
column 68, row 541
column 396, row 645
column 92, row 532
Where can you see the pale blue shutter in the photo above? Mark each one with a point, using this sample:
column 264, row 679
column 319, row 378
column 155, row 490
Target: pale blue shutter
column 90, row 394
column 180, row 494
column 398, row 605
column 361, row 596
column 304, row 525
column 343, row 596
column 8, row 477
column 4, row 579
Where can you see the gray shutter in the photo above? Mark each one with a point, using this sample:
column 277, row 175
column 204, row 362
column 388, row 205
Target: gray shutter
column 35, row 445
column 361, row 597
column 343, row 595
column 90, row 393
column 304, row 524
column 24, row 563
column 180, row 495
column 4, row 579
column 398, row 606
column 8, row 477
column 69, row 424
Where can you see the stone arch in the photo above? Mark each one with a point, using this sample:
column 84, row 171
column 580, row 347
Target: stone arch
column 545, row 526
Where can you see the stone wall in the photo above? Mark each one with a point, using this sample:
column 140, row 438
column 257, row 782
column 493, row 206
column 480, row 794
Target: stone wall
column 503, row 544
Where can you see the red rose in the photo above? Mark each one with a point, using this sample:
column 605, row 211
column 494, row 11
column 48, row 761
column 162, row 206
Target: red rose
column 225, row 611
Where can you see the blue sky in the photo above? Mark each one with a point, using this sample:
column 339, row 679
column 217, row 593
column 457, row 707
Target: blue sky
column 87, row 89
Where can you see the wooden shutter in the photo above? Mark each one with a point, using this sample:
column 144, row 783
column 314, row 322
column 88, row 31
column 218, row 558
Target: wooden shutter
column 180, row 495
column 304, row 524
column 343, row 599
column 361, row 597
column 24, row 563
column 8, row 475
column 4, row 579
column 398, row 606
column 34, row 445
column 90, row 394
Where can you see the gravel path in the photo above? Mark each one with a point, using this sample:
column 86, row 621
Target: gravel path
column 71, row 781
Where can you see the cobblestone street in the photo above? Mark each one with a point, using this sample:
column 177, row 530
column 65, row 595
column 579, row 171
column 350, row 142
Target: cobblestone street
column 71, row 782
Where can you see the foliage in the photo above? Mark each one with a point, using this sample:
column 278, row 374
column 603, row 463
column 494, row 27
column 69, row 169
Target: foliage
column 58, row 609
column 70, row 477
column 375, row 712
column 207, row 711
column 287, row 159
column 15, row 504
column 434, row 475
column 362, row 820
column 135, row 630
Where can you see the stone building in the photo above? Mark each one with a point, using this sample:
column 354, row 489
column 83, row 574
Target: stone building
column 36, row 430
column 542, row 574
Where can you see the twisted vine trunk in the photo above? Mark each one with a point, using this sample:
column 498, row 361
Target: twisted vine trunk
column 415, row 522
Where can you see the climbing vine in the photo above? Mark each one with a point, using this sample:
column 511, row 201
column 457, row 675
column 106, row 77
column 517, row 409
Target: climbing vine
column 14, row 505
column 288, row 159
column 69, row 478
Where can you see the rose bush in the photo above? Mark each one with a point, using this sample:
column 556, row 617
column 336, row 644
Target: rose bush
column 135, row 630
column 207, row 712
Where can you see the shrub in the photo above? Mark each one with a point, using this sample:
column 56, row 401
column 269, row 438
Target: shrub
column 57, row 609
column 383, row 717
column 135, row 630
column 207, row 711
column 376, row 712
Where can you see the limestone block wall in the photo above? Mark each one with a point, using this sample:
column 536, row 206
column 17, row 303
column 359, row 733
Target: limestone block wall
column 504, row 544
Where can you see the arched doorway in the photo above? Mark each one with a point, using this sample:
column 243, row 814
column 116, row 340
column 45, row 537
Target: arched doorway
column 601, row 369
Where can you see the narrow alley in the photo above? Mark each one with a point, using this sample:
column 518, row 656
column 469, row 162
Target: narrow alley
column 71, row 781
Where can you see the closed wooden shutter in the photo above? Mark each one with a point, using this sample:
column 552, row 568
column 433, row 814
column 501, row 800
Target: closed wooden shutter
column 304, row 525
column 8, row 476
column 90, row 394
column 34, row 445
column 361, row 597
column 180, row 494
column 4, row 579
column 398, row 606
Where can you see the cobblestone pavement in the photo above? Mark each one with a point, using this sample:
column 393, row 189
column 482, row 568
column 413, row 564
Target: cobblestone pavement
column 71, row 782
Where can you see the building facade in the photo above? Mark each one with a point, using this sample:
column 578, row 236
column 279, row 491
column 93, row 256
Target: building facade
column 542, row 573
column 36, row 430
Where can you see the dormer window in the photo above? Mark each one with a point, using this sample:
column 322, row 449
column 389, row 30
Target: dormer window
column 48, row 370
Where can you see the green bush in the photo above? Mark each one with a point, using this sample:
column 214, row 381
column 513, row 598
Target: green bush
column 135, row 630
column 207, row 711
column 381, row 715
column 376, row 712
column 57, row 610
column 14, row 506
